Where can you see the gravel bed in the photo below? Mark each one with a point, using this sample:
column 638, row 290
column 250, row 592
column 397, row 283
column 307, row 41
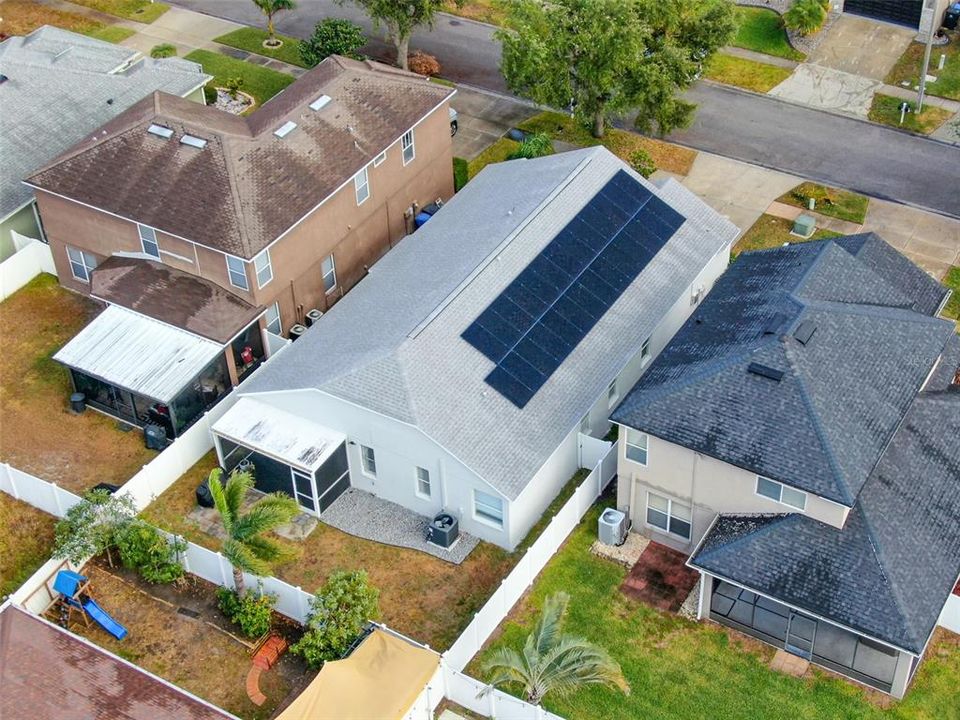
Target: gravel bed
column 689, row 607
column 361, row 514
column 228, row 104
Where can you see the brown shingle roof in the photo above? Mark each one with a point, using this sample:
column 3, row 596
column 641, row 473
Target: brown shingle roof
column 247, row 186
column 172, row 296
column 46, row 672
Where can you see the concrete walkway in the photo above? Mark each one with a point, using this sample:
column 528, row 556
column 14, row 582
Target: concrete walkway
column 184, row 29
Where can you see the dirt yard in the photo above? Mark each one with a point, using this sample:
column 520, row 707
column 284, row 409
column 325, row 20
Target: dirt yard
column 26, row 537
column 188, row 651
column 38, row 433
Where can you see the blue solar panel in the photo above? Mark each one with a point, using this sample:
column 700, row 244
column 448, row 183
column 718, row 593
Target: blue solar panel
column 538, row 320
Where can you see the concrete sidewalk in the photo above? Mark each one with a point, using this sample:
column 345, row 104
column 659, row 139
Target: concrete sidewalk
column 184, row 29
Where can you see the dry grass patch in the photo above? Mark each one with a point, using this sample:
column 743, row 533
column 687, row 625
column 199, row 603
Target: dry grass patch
column 622, row 143
column 487, row 11
column 26, row 538
column 770, row 231
column 189, row 652
column 20, row 17
column 38, row 433
column 145, row 11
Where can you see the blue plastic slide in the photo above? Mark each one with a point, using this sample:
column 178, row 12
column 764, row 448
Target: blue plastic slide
column 103, row 619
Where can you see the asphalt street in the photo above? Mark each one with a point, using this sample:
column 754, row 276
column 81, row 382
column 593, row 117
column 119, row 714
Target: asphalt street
column 821, row 146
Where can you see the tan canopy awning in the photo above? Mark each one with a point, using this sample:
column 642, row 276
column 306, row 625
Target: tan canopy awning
column 380, row 680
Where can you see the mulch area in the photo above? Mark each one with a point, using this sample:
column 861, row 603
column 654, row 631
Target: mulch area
column 660, row 578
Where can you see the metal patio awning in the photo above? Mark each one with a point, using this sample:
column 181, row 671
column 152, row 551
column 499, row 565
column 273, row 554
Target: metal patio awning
column 132, row 351
column 276, row 433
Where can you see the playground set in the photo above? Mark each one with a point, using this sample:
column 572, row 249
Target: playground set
column 74, row 590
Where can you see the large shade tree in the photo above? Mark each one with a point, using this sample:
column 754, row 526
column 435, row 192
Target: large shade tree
column 246, row 548
column 603, row 58
column 553, row 661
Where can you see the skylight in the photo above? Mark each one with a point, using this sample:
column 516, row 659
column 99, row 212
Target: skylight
column 285, row 129
column 193, row 141
column 160, row 131
column 320, row 102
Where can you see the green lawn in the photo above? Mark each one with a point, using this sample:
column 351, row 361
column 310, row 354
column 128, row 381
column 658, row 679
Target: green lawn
column 111, row 33
column 746, row 74
column 770, row 231
column 885, row 109
column 908, row 67
column 762, row 31
column 260, row 82
column 251, row 40
column 140, row 10
column 681, row 670
column 840, row 204
column 952, row 281
column 495, row 153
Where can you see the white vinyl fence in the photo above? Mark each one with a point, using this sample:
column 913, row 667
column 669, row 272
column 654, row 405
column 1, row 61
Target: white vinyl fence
column 469, row 693
column 950, row 616
column 32, row 258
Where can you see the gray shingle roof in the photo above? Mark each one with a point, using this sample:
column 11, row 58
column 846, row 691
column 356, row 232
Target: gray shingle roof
column 60, row 87
column 889, row 571
column 823, row 427
column 394, row 345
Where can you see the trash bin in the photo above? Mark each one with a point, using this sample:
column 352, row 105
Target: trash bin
column 155, row 437
column 78, row 402
column 951, row 18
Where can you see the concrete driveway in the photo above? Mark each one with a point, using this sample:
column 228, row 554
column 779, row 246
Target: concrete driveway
column 483, row 119
column 862, row 47
column 828, row 89
column 932, row 241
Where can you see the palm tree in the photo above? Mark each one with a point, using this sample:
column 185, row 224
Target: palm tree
column 245, row 547
column 552, row 660
column 271, row 8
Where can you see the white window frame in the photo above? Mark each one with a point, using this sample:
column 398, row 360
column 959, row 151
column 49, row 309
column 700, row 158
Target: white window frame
column 332, row 272
column 86, row 260
column 368, row 464
column 378, row 160
column 260, row 269
column 670, row 516
column 613, row 393
column 407, row 144
column 488, row 518
column 148, row 237
column 802, row 507
column 232, row 272
column 275, row 320
column 422, row 476
column 361, row 186
column 645, row 448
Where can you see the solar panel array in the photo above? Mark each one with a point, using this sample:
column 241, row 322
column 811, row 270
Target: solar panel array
column 537, row 321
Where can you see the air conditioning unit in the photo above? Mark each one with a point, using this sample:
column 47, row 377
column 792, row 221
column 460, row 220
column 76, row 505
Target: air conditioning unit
column 312, row 316
column 296, row 331
column 613, row 527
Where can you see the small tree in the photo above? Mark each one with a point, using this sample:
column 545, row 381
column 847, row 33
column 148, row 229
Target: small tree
column 232, row 86
column 338, row 613
column 642, row 163
column 399, row 18
column 270, row 8
column 805, row 17
column 145, row 549
column 552, row 660
column 91, row 526
column 332, row 36
column 246, row 548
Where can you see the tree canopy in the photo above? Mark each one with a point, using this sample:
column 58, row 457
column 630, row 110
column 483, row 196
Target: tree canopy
column 602, row 58
column 399, row 18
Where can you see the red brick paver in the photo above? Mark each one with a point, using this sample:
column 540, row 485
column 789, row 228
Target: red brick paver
column 660, row 578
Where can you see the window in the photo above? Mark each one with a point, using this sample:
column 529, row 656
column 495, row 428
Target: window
column 237, row 270
column 273, row 319
column 148, row 241
column 781, row 493
column 668, row 515
column 369, row 460
column 81, row 263
column 407, row 144
column 362, row 185
column 645, row 352
column 488, row 508
column 261, row 263
column 637, row 446
column 612, row 393
column 423, row 482
column 329, row 271
column 378, row 160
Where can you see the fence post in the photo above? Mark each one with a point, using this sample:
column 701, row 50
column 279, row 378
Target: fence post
column 13, row 482
column 56, row 499
column 302, row 604
column 493, row 703
column 223, row 573
column 186, row 557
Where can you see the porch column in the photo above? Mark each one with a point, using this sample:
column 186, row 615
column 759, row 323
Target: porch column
column 232, row 366
column 901, row 675
column 706, row 593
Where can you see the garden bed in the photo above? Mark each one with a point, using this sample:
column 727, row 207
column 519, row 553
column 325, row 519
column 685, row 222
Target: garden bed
column 770, row 231
column 25, row 542
column 21, row 17
column 680, row 669
column 761, row 30
column 259, row 82
column 252, row 39
column 38, row 433
column 832, row 202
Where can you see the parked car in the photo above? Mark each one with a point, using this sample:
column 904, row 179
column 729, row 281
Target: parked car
column 453, row 122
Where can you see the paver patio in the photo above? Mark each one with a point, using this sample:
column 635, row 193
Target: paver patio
column 660, row 578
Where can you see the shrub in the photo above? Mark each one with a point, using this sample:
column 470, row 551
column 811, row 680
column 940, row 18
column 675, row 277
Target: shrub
column 533, row 146
column 163, row 50
column 253, row 614
column 233, row 85
column 91, row 526
column 144, row 548
column 642, row 163
column 423, row 64
column 805, row 17
column 210, row 94
column 332, row 37
column 338, row 613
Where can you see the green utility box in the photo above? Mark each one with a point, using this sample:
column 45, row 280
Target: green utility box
column 804, row 226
